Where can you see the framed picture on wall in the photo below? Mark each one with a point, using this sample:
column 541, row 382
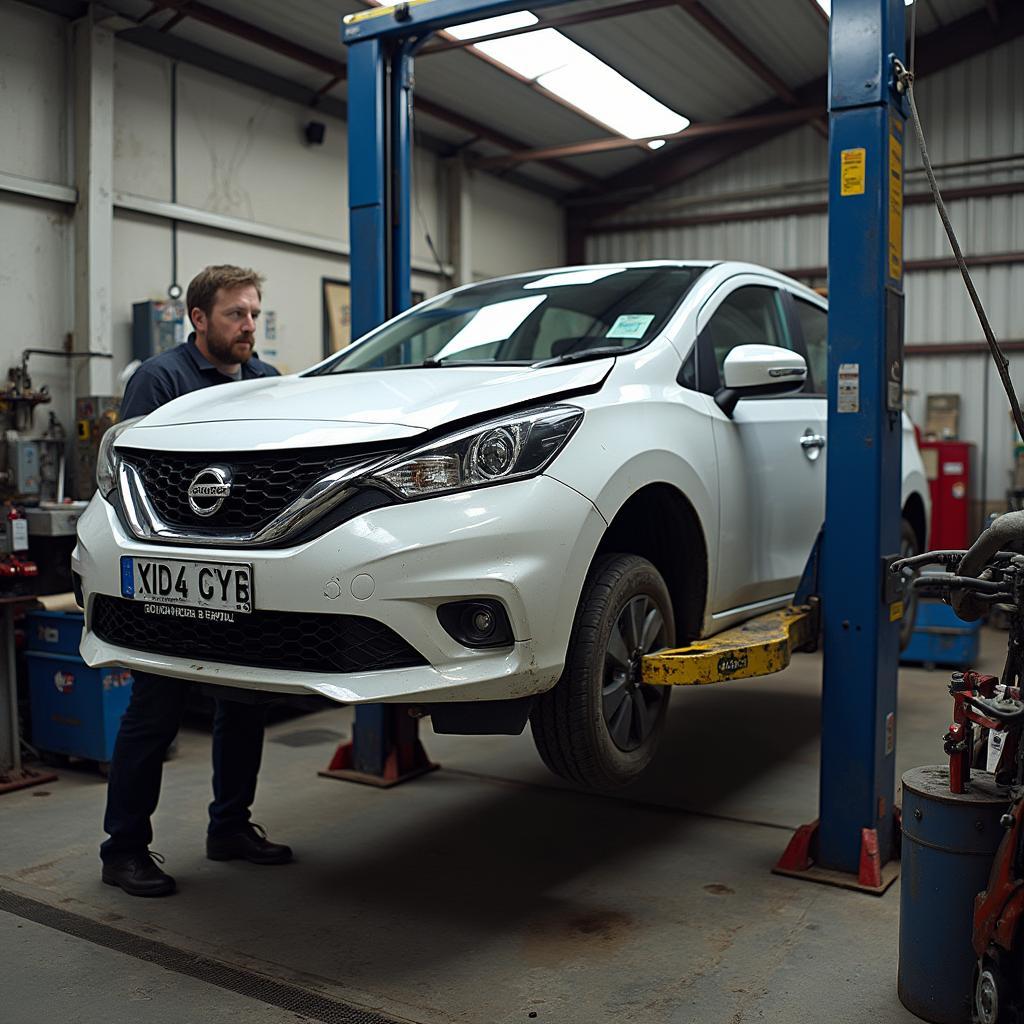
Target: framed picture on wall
column 337, row 306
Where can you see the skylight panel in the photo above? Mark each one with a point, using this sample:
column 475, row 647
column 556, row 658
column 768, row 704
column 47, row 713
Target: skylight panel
column 504, row 22
column 557, row 64
column 826, row 6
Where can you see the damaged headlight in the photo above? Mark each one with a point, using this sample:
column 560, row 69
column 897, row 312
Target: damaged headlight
column 510, row 448
column 107, row 460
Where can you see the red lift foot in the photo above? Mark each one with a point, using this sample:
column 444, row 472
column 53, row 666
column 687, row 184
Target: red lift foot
column 392, row 751
column 873, row 876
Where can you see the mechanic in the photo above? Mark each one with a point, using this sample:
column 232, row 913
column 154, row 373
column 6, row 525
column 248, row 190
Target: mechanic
column 223, row 304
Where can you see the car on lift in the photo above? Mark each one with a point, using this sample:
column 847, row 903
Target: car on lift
column 490, row 507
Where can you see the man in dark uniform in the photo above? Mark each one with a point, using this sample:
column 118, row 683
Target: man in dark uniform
column 223, row 304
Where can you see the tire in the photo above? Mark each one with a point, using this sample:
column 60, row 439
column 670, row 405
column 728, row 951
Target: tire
column 908, row 546
column 598, row 726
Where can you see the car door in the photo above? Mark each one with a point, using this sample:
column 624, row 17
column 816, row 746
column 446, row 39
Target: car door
column 771, row 468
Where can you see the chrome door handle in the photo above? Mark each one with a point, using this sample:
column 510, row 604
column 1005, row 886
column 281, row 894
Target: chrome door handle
column 812, row 444
column 812, row 441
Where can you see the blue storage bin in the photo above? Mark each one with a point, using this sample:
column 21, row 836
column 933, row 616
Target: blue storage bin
column 54, row 632
column 76, row 710
column 940, row 638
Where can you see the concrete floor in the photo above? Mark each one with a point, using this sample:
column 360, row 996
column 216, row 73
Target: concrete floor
column 486, row 892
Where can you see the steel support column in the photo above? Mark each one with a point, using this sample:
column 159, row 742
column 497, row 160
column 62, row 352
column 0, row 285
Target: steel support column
column 94, row 213
column 862, row 519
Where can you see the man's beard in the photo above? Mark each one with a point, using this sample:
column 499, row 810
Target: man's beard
column 222, row 347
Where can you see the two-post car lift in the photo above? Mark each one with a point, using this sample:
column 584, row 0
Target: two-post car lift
column 852, row 839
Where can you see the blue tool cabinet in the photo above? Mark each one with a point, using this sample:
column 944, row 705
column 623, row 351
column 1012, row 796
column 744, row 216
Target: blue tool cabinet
column 940, row 638
column 76, row 710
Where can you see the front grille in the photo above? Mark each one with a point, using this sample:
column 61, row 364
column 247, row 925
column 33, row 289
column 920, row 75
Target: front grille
column 292, row 641
column 262, row 484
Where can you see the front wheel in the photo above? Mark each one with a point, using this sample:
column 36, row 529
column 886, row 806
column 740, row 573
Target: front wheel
column 600, row 724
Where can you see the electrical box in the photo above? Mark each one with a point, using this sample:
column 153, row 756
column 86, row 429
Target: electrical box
column 25, row 461
column 93, row 415
column 157, row 327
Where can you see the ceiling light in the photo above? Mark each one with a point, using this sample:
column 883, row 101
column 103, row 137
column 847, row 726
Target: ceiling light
column 557, row 64
column 656, row 144
column 503, row 23
column 826, row 6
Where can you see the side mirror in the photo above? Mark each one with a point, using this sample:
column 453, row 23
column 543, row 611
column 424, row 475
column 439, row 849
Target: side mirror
column 752, row 370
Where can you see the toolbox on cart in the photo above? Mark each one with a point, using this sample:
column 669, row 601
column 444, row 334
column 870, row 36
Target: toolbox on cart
column 940, row 638
column 76, row 710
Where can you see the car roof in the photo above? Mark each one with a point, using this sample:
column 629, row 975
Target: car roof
column 723, row 269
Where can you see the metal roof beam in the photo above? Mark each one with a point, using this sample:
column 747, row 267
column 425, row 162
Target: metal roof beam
column 708, row 21
column 694, row 131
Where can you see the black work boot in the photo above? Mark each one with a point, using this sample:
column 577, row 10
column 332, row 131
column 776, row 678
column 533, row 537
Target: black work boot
column 139, row 875
column 249, row 843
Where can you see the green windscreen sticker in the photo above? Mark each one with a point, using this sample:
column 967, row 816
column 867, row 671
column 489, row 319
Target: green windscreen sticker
column 630, row 325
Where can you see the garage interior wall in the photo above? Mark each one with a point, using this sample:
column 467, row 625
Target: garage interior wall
column 973, row 111
column 250, row 190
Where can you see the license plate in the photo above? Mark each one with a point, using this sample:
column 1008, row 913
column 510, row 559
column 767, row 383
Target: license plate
column 204, row 587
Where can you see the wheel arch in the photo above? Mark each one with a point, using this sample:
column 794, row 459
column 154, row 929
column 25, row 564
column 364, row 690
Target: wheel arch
column 659, row 523
column 914, row 513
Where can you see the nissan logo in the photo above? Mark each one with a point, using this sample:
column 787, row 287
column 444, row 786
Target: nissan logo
column 208, row 490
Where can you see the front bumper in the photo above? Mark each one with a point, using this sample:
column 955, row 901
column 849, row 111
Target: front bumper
column 527, row 544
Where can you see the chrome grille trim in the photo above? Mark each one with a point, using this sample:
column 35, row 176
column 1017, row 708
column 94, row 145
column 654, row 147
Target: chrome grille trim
column 317, row 500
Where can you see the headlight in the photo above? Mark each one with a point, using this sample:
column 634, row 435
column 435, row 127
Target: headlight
column 106, row 459
column 516, row 446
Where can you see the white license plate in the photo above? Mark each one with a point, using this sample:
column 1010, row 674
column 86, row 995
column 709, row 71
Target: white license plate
column 202, row 586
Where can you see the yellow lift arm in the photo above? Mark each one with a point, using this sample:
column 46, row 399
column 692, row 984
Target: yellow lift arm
column 757, row 648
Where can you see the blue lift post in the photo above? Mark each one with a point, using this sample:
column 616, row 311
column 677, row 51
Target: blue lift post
column 853, row 838
column 385, row 747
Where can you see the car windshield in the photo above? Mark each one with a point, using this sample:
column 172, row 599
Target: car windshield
column 552, row 317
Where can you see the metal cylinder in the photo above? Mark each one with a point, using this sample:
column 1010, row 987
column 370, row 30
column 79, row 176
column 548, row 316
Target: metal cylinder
column 949, row 842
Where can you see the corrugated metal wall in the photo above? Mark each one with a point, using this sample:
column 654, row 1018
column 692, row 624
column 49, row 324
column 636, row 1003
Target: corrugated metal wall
column 971, row 112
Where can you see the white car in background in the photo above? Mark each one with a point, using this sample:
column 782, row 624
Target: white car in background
column 490, row 507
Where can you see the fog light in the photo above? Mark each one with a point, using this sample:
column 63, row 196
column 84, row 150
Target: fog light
column 476, row 623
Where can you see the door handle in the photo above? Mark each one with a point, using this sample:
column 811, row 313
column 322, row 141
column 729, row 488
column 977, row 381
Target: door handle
column 812, row 444
column 812, row 441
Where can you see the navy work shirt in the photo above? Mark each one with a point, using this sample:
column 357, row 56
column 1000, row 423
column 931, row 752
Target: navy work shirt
column 178, row 372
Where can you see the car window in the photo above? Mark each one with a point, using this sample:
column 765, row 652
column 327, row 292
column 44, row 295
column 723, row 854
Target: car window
column 527, row 319
column 814, row 327
column 752, row 315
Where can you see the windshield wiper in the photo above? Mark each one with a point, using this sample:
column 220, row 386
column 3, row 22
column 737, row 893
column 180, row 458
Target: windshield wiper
column 584, row 353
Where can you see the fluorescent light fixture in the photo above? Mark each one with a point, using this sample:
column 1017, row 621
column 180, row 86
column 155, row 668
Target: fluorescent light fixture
column 557, row 64
column 655, row 143
column 504, row 22
column 826, row 6
column 574, row 277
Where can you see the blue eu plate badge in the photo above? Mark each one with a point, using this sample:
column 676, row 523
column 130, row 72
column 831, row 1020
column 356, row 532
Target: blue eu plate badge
column 127, row 576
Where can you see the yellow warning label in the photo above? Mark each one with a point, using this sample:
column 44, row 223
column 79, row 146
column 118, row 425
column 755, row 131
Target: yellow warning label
column 377, row 12
column 896, row 611
column 895, row 204
column 851, row 177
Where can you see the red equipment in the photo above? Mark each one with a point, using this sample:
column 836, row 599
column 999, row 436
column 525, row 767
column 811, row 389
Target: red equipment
column 949, row 466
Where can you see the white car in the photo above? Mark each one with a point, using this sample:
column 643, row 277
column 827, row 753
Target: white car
column 490, row 507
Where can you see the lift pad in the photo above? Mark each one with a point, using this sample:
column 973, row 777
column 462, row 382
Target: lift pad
column 757, row 648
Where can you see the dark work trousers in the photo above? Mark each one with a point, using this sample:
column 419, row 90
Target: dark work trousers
column 147, row 730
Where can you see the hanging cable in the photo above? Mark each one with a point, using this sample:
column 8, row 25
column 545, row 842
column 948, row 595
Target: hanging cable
column 905, row 84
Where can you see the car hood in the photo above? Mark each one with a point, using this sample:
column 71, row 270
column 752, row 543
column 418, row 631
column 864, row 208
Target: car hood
column 350, row 408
